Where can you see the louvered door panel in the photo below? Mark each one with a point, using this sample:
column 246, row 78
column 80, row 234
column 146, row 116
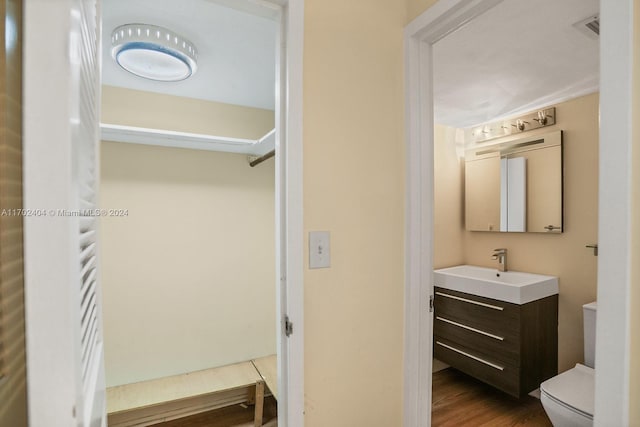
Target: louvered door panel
column 61, row 122
column 85, row 152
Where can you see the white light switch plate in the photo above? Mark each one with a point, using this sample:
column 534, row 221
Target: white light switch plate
column 319, row 249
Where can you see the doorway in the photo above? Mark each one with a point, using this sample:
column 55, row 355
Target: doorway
column 420, row 35
column 50, row 270
column 200, row 222
column 197, row 219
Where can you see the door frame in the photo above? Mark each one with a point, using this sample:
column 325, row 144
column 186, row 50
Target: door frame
column 615, row 203
column 615, row 213
column 435, row 23
column 289, row 213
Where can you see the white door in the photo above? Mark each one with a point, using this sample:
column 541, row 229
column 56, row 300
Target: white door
column 61, row 115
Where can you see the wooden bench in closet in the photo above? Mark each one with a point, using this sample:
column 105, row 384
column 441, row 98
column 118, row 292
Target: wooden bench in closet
column 150, row 402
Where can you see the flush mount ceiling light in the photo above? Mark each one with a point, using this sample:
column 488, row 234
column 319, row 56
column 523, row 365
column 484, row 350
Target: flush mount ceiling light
column 153, row 52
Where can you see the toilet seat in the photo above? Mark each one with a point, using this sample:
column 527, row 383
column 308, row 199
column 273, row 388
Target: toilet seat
column 573, row 390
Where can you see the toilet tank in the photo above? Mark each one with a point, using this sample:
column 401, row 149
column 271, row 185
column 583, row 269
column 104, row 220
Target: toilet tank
column 589, row 319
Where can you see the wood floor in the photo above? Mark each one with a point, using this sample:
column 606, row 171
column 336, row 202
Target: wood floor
column 458, row 401
column 233, row 416
column 462, row 401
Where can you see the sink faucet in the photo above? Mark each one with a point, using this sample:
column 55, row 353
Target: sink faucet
column 501, row 255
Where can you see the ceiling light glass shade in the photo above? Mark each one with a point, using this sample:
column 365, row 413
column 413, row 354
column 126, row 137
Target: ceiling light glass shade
column 153, row 52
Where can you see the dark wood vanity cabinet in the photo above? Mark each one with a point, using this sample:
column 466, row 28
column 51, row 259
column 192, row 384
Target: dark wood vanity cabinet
column 509, row 346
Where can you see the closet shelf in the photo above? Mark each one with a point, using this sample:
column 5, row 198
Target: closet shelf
column 194, row 141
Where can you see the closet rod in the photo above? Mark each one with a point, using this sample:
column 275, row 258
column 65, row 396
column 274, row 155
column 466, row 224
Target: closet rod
column 261, row 159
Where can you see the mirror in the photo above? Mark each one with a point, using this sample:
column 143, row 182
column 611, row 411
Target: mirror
column 515, row 186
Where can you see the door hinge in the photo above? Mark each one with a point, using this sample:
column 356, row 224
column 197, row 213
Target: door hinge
column 288, row 326
column 430, row 303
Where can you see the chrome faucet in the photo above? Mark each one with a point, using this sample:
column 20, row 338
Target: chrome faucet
column 501, row 255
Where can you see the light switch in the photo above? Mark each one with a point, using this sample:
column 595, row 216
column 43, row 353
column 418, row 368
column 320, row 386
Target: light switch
column 319, row 249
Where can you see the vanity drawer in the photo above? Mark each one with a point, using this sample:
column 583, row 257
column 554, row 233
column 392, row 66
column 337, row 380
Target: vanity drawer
column 502, row 347
column 493, row 316
column 501, row 375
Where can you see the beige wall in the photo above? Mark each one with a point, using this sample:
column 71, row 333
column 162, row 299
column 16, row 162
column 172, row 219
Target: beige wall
column 13, row 374
column 448, row 209
column 188, row 276
column 448, row 227
column 563, row 255
column 354, row 187
column 416, row 7
column 634, row 397
column 152, row 110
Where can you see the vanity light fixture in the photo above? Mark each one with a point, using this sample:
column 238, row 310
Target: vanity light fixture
column 153, row 52
column 526, row 122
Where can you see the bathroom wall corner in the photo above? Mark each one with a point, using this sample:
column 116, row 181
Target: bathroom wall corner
column 448, row 199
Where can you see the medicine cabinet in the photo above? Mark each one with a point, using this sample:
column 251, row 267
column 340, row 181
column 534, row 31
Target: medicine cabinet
column 515, row 186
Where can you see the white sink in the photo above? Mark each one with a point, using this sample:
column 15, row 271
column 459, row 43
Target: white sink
column 510, row 286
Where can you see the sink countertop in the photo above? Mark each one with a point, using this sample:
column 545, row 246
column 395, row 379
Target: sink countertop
column 509, row 286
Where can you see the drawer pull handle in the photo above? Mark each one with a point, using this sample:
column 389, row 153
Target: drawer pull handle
column 470, row 301
column 471, row 356
column 478, row 331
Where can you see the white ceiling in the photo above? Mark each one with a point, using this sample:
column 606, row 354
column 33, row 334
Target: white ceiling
column 517, row 57
column 236, row 50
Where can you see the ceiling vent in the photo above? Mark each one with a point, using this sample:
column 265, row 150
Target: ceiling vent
column 589, row 26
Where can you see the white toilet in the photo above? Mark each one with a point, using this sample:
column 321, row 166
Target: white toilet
column 568, row 398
